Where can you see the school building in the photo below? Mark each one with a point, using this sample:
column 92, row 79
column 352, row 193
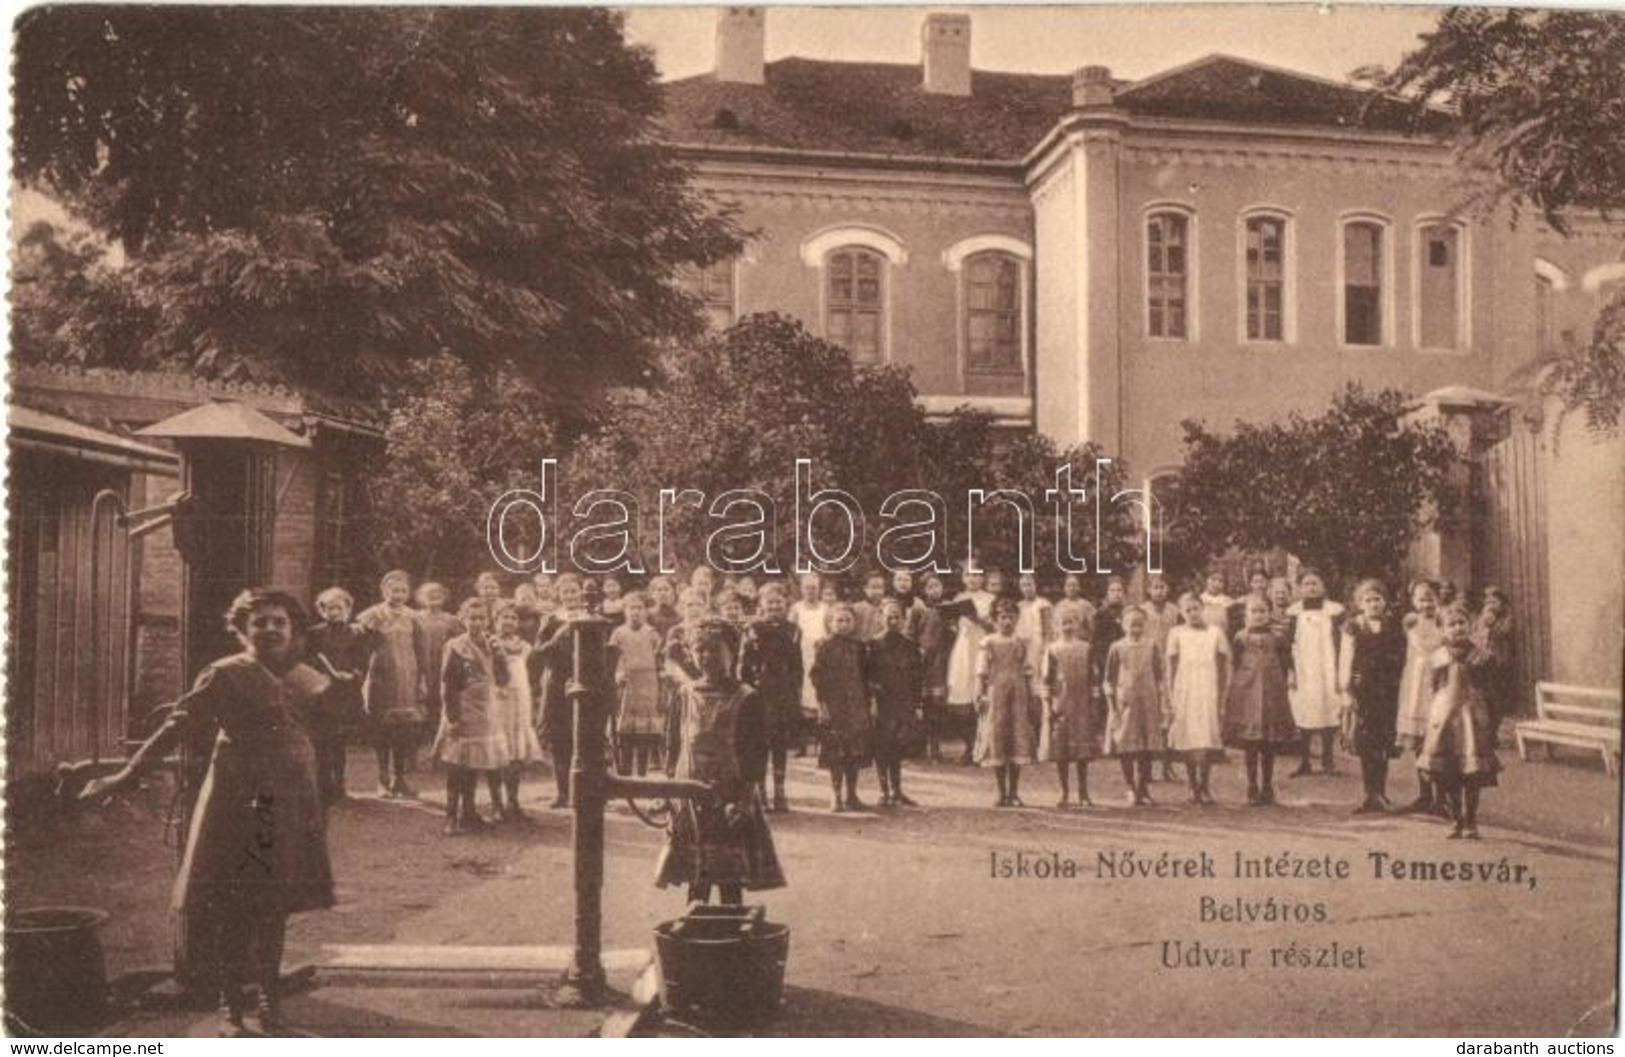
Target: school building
column 1100, row 259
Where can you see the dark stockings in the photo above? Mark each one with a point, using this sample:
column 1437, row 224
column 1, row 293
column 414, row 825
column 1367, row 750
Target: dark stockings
column 249, row 950
column 633, row 759
column 1063, row 771
column 729, row 894
column 510, row 783
column 461, row 783
column 456, row 779
column 330, row 760
column 1327, row 763
column 394, row 751
column 563, row 752
column 1260, row 774
column 1374, row 777
column 1463, row 803
column 1137, row 774
column 1008, row 775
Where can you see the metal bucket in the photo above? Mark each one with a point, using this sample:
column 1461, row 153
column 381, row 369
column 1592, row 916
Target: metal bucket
column 722, row 966
column 55, row 972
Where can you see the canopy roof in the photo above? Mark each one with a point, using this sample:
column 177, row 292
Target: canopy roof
column 225, row 420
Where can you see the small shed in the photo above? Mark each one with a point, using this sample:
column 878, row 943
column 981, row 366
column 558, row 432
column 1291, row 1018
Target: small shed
column 72, row 587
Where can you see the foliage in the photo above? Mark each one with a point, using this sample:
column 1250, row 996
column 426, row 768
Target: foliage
column 319, row 195
column 69, row 302
column 1588, row 378
column 766, row 393
column 1346, row 491
column 1538, row 98
column 454, row 444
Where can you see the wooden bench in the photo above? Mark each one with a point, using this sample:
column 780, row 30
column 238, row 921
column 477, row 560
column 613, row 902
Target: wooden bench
column 1581, row 717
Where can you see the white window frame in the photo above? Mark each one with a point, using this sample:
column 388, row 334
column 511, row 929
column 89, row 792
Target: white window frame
column 1388, row 301
column 1192, row 271
column 1464, row 283
column 954, row 259
column 815, row 251
column 1289, row 275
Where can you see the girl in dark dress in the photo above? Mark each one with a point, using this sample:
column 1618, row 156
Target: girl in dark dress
column 551, row 662
column 896, row 683
column 340, row 650
column 716, row 738
column 257, row 851
column 934, row 631
column 1372, row 661
column 845, row 732
column 1458, row 752
column 771, row 665
column 1258, row 711
column 393, row 693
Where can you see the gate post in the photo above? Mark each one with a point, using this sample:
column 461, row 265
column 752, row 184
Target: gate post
column 1472, row 419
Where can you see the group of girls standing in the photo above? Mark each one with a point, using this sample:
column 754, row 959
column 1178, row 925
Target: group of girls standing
column 400, row 672
column 1281, row 670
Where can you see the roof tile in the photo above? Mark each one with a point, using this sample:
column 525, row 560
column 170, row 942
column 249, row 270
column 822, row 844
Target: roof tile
column 883, row 109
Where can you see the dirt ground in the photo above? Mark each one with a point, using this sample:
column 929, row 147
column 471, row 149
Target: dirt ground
column 899, row 928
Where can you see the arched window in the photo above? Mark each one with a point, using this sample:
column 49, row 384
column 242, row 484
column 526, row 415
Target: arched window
column 1266, row 279
column 855, row 302
column 1440, row 285
column 1365, row 277
column 1167, row 270
column 992, row 314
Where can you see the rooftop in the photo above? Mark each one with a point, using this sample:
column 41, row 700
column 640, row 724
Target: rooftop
column 883, row 108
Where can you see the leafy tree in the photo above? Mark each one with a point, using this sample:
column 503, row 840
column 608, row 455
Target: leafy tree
column 455, row 443
column 318, row 195
column 69, row 301
column 766, row 393
column 1346, row 491
column 1538, row 100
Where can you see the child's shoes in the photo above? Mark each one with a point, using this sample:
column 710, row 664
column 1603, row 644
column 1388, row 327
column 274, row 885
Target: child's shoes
column 269, row 1015
column 230, row 1023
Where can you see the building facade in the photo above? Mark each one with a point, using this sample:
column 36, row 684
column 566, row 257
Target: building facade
column 1101, row 259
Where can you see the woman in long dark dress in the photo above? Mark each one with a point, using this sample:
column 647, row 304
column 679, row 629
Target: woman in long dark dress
column 258, row 845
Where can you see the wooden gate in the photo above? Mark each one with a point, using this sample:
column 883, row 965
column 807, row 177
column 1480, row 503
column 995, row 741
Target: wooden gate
column 1510, row 548
column 69, row 611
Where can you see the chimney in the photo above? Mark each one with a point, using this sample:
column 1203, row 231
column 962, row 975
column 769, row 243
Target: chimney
column 741, row 45
column 945, row 50
column 1092, row 86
